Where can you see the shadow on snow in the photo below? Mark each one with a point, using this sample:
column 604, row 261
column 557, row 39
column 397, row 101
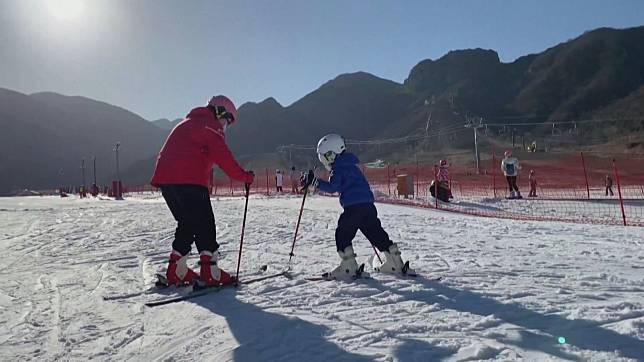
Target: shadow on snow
column 268, row 336
column 541, row 329
column 265, row 336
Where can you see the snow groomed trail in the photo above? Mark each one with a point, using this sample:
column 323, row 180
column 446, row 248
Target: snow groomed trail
column 512, row 290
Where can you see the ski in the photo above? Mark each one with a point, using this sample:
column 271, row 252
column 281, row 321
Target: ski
column 198, row 292
column 326, row 276
column 161, row 284
column 191, row 295
column 285, row 273
column 405, row 272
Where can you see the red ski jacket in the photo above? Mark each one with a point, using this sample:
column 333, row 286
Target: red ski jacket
column 191, row 150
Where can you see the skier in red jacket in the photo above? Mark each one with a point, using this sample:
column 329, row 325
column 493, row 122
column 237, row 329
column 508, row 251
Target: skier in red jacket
column 182, row 172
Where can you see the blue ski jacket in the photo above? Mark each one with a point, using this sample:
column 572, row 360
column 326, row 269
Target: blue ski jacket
column 347, row 179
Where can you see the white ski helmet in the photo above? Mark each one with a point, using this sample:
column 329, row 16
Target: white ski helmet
column 329, row 147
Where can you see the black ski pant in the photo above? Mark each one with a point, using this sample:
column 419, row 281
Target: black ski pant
column 363, row 217
column 609, row 188
column 190, row 206
column 512, row 183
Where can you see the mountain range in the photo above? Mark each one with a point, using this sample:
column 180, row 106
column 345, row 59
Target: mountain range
column 596, row 76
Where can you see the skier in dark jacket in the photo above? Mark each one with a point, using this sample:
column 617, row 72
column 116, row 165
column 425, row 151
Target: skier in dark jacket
column 609, row 185
column 360, row 213
column 183, row 172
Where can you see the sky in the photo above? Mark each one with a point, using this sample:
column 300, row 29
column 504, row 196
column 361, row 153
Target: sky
column 160, row 58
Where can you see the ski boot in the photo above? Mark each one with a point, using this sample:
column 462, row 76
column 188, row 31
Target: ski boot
column 178, row 272
column 348, row 268
column 211, row 275
column 393, row 263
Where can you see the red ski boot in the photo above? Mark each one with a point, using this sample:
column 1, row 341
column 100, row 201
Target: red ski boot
column 178, row 272
column 211, row 275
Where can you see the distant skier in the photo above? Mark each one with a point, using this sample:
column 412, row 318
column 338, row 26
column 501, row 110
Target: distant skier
column 443, row 177
column 94, row 190
column 279, row 180
column 302, row 180
column 295, row 181
column 609, row 185
column 510, row 167
column 359, row 213
column 182, row 172
column 533, row 184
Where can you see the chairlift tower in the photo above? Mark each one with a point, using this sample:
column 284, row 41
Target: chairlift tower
column 475, row 123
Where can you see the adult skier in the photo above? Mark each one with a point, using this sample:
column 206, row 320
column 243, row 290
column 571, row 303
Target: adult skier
column 182, row 172
column 294, row 180
column 510, row 167
column 443, row 176
column 608, row 182
column 279, row 181
column 359, row 213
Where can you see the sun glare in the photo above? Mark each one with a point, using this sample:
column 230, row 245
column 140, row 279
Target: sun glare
column 66, row 10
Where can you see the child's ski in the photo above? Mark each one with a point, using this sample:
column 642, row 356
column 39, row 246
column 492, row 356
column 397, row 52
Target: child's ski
column 360, row 274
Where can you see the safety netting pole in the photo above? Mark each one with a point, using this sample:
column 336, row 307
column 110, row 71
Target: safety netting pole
column 619, row 190
column 388, row 184
column 436, row 186
column 583, row 163
column 417, row 179
column 268, row 191
column 493, row 166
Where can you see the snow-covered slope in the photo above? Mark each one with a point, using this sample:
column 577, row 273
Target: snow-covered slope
column 510, row 289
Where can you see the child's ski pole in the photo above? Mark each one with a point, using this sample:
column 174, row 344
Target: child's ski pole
column 310, row 177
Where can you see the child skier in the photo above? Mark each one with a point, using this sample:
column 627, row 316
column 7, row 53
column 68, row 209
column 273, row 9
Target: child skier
column 359, row 213
column 533, row 184
column 182, row 172
column 510, row 167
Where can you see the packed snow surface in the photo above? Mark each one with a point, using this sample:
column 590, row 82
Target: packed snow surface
column 76, row 273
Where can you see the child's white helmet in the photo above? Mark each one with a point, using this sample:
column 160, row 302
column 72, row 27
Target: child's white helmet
column 329, row 147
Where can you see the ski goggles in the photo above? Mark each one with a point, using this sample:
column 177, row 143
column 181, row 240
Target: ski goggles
column 327, row 158
column 222, row 113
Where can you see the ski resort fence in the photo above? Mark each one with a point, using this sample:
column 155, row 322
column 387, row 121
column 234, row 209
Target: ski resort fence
column 582, row 188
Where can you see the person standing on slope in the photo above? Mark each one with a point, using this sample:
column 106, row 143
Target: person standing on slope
column 510, row 167
column 443, row 177
column 359, row 213
column 279, row 181
column 608, row 182
column 182, row 172
column 533, row 184
column 294, row 180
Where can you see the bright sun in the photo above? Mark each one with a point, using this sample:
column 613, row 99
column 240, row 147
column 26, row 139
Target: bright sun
column 66, row 10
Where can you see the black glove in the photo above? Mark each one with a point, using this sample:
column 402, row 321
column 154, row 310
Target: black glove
column 311, row 182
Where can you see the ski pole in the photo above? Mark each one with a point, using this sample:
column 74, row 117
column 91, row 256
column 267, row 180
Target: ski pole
column 241, row 241
column 376, row 251
column 309, row 179
column 297, row 226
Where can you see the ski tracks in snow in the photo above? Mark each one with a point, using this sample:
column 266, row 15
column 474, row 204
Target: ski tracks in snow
column 511, row 288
